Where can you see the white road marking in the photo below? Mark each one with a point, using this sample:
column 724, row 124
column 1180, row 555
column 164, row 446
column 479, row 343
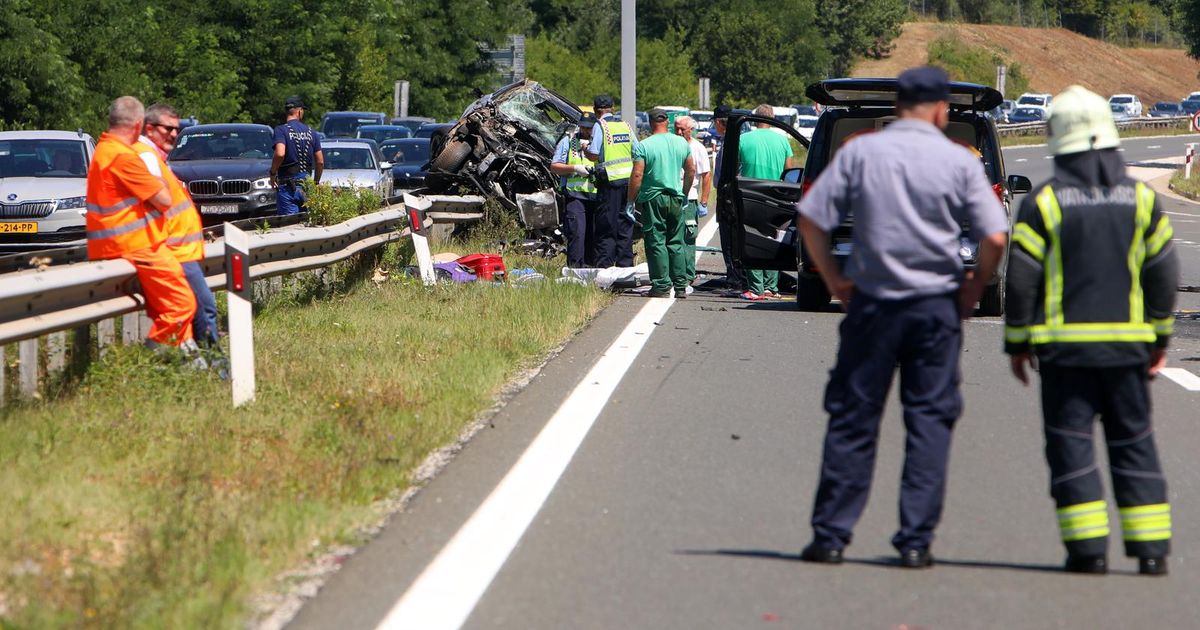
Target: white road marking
column 1023, row 160
column 1047, row 157
column 444, row 595
column 1186, row 379
column 1154, row 146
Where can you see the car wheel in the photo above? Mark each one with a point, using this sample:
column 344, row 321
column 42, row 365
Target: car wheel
column 452, row 156
column 991, row 303
column 811, row 294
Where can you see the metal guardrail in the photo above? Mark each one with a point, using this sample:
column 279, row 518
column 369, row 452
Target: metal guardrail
column 1039, row 128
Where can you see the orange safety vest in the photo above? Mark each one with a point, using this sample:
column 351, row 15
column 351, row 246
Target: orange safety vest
column 118, row 221
column 185, row 234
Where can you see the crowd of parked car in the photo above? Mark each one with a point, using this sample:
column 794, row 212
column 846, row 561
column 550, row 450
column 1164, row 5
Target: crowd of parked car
column 1031, row 107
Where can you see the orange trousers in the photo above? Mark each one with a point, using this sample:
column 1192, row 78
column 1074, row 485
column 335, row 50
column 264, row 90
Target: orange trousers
column 170, row 303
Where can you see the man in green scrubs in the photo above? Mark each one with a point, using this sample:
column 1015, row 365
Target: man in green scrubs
column 656, row 188
column 763, row 154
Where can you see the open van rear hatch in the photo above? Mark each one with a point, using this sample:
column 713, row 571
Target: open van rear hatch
column 882, row 92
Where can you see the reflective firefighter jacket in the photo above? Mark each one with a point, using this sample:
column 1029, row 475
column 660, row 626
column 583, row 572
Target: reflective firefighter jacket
column 1092, row 272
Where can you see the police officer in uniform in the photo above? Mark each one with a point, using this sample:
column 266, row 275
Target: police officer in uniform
column 612, row 151
column 1090, row 293
column 297, row 156
column 579, row 186
column 910, row 189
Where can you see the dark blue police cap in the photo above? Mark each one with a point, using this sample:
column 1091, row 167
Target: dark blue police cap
column 923, row 85
column 602, row 101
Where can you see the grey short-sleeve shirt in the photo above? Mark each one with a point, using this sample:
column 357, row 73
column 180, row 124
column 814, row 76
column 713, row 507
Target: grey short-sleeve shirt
column 908, row 188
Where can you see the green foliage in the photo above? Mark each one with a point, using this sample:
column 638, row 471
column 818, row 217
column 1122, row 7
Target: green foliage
column 854, row 28
column 1123, row 22
column 330, row 206
column 976, row 65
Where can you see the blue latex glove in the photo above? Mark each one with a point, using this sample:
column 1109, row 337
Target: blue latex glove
column 629, row 208
column 702, row 211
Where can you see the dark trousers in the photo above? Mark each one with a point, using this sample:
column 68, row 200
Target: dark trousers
column 923, row 335
column 1072, row 397
column 579, row 228
column 614, row 228
column 735, row 278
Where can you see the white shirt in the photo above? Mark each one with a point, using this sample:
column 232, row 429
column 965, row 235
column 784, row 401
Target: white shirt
column 700, row 158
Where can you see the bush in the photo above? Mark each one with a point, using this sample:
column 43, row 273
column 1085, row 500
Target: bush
column 976, row 65
column 329, row 206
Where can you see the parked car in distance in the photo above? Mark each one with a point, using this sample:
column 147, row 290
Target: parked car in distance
column 1129, row 102
column 429, row 129
column 762, row 212
column 1007, row 106
column 997, row 114
column 346, row 124
column 1164, row 109
column 413, row 122
column 785, row 115
column 1032, row 100
column 1119, row 112
column 226, row 168
column 703, row 118
column 807, row 110
column 43, row 184
column 1190, row 104
column 410, row 161
column 379, row 133
column 1024, row 114
column 367, row 141
column 354, row 165
column 806, row 124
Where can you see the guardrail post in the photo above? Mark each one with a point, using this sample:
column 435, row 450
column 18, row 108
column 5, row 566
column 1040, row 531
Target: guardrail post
column 28, row 372
column 416, row 208
column 1187, row 160
column 106, row 333
column 129, row 329
column 241, row 311
column 81, row 348
column 56, row 352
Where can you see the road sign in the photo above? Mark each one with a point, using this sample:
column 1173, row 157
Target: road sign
column 1196, row 121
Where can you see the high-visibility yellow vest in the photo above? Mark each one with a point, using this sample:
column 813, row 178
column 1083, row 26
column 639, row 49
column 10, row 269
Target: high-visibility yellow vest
column 618, row 150
column 578, row 183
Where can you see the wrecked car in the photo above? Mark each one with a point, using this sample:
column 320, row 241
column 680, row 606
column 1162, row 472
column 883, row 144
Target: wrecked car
column 502, row 147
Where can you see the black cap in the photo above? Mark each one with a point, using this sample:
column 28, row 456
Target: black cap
column 658, row 115
column 603, row 101
column 293, row 102
column 587, row 120
column 722, row 111
column 923, row 85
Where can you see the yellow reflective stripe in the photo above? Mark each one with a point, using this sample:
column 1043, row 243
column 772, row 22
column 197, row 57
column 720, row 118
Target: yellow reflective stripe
column 1016, row 334
column 1024, row 235
column 1091, row 332
column 1083, row 521
column 1137, row 251
column 1052, row 219
column 1164, row 327
column 578, row 183
column 1146, row 522
column 1163, row 233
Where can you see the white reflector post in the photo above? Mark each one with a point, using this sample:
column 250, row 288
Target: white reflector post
column 416, row 207
column 239, row 289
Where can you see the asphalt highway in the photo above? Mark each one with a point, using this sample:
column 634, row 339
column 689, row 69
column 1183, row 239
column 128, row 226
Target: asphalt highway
column 688, row 501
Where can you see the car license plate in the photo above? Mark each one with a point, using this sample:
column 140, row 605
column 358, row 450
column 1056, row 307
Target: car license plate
column 24, row 227
column 219, row 208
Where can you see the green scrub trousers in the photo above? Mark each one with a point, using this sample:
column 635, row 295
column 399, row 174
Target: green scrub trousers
column 663, row 234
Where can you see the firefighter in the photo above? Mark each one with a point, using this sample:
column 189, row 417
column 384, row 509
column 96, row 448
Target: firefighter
column 1090, row 292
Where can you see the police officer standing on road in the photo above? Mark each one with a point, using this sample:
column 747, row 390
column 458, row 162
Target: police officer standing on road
column 1091, row 289
column 613, row 143
column 578, row 182
column 297, row 156
column 910, row 190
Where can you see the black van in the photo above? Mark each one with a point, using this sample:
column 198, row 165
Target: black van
column 763, row 212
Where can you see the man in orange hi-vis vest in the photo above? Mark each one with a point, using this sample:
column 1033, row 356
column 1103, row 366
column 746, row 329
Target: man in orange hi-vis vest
column 125, row 209
column 185, row 233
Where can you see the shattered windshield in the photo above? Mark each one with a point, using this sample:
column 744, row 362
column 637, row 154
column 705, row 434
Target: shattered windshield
column 536, row 114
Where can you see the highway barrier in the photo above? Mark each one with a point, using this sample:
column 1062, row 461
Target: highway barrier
column 1039, row 128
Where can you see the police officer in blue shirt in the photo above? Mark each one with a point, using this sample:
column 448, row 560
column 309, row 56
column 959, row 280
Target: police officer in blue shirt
column 612, row 147
column 910, row 190
column 297, row 156
column 576, row 173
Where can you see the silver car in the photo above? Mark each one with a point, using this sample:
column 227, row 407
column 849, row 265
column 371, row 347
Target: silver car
column 43, row 182
column 351, row 164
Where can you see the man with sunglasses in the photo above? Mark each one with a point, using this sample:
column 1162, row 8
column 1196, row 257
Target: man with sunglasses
column 297, row 156
column 184, row 232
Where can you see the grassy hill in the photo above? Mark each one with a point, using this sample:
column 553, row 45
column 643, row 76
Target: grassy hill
column 1053, row 59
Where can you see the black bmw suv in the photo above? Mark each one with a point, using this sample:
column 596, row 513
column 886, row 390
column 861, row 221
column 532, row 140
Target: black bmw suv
column 226, row 169
column 763, row 212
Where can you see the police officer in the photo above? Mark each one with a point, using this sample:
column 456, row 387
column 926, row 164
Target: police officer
column 297, row 156
column 1090, row 293
column 910, row 190
column 579, row 186
column 612, row 151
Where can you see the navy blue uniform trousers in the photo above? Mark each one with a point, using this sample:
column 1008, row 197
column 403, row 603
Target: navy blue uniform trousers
column 924, row 336
column 614, row 228
column 579, row 225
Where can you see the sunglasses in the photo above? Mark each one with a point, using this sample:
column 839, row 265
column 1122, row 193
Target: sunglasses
column 167, row 128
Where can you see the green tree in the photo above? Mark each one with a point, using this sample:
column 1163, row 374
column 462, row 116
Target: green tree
column 39, row 85
column 858, row 28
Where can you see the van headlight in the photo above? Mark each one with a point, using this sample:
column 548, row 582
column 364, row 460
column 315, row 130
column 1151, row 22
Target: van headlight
column 72, row 203
column 262, row 184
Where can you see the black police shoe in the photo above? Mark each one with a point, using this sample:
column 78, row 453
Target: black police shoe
column 1152, row 566
column 821, row 554
column 658, row 294
column 916, row 558
column 1097, row 565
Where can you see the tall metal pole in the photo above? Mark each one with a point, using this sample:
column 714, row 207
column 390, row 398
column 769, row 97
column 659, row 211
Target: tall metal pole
column 629, row 61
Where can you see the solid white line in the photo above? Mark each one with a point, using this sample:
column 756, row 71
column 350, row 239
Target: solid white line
column 1154, row 146
column 1186, row 379
column 448, row 590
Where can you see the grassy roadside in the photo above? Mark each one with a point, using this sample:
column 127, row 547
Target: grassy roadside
column 141, row 499
column 1189, row 188
column 1018, row 141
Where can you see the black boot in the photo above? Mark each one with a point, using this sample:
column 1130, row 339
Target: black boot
column 1097, row 565
column 1152, row 566
column 816, row 552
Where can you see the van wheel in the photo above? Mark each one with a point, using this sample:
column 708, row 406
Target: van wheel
column 452, row 155
column 811, row 294
column 991, row 303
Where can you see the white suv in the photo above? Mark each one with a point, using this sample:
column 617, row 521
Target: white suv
column 43, row 182
column 1130, row 102
column 1040, row 101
